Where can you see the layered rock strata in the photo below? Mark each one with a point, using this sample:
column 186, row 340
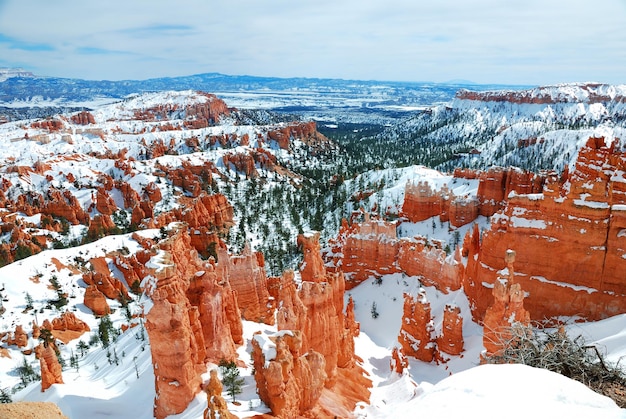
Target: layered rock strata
column 569, row 239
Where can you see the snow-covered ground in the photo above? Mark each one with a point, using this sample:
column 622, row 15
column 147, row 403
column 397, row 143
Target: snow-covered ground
column 98, row 388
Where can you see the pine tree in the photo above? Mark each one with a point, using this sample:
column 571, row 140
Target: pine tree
column 374, row 311
column 5, row 396
column 230, row 378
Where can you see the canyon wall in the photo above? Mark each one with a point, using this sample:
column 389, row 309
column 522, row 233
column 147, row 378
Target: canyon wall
column 570, row 241
column 372, row 248
column 569, row 232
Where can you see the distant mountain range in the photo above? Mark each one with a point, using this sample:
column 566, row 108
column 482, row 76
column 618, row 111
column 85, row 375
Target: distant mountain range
column 300, row 95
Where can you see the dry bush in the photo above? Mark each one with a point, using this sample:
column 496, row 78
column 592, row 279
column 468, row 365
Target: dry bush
column 554, row 350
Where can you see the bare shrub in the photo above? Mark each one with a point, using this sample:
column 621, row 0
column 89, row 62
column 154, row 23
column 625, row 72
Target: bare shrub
column 554, row 350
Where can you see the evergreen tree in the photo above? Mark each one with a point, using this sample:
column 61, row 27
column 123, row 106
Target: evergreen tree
column 230, row 378
column 5, row 396
column 105, row 327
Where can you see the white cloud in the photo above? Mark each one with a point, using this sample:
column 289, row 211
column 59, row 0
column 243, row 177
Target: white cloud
column 531, row 42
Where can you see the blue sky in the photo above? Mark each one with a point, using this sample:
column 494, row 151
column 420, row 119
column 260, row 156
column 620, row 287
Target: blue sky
column 486, row 41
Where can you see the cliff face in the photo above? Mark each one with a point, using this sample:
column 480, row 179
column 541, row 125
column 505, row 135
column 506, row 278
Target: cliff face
column 422, row 202
column 569, row 241
column 369, row 248
column 194, row 318
column 372, row 248
column 309, row 367
column 589, row 93
column 246, row 275
column 568, row 232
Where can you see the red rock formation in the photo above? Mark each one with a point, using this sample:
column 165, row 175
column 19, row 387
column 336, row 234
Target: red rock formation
column 69, row 321
column 416, row 334
column 65, row 205
column 131, row 197
column 100, row 276
column 50, row 368
column 51, row 125
column 194, row 318
column 431, row 263
column 204, row 213
column 422, row 202
column 66, row 327
column 568, row 242
column 133, row 270
column 83, row 118
column 104, row 203
column 399, row 361
column 497, row 183
column 242, row 162
column 369, row 248
column 462, row 210
column 216, row 405
column 95, row 301
column 506, row 311
column 451, row 341
column 580, row 93
column 304, row 131
column 311, row 321
column 289, row 379
column 99, row 226
column 372, row 248
column 20, row 337
column 152, row 192
column 246, row 275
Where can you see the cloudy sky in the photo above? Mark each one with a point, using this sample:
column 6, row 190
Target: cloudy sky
column 484, row 41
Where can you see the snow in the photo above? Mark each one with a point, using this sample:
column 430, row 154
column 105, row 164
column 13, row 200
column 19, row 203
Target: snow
column 511, row 391
column 460, row 386
column 519, row 222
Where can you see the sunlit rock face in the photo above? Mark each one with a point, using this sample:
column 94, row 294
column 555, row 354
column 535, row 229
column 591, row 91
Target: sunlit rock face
column 309, row 367
column 372, row 248
column 451, row 340
column 506, row 311
column 570, row 241
column 416, row 334
column 50, row 368
column 194, row 319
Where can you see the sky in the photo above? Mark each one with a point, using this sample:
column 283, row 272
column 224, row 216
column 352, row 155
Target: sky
column 531, row 42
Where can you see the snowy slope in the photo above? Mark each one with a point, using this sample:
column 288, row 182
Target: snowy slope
column 533, row 129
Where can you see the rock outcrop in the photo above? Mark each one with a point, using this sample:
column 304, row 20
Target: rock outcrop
column 246, row 275
column 194, row 319
column 416, row 334
column 506, row 311
column 31, row 410
column 216, row 405
column 451, row 340
column 309, row 366
column 399, row 362
column 569, row 241
column 50, row 368
column 95, row 301
column 289, row 380
column 372, row 248
column 68, row 327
